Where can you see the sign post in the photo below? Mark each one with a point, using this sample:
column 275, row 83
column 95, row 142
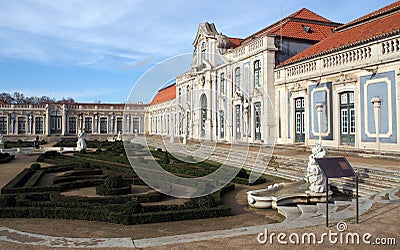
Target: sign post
column 336, row 167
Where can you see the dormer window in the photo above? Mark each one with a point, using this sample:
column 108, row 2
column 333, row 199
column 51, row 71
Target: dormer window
column 237, row 79
column 307, row 28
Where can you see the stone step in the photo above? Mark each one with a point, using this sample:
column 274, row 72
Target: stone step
column 294, row 168
column 291, row 213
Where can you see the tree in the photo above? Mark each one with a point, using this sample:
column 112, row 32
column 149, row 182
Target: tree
column 6, row 98
column 19, row 98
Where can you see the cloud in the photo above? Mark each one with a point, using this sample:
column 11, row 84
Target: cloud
column 87, row 33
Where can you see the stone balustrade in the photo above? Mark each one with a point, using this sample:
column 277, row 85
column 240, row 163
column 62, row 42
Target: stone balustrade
column 359, row 57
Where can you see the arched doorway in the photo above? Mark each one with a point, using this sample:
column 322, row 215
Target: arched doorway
column 203, row 115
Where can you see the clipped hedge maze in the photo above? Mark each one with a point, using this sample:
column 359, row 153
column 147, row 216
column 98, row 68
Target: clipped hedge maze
column 22, row 197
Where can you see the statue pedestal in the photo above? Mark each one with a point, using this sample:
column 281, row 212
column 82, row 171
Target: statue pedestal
column 184, row 141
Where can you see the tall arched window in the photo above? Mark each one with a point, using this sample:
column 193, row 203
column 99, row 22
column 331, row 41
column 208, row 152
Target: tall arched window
column 203, row 102
column 257, row 73
column 237, row 79
column 222, row 87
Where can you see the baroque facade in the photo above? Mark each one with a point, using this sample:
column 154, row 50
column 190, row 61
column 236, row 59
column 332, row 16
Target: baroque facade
column 66, row 119
column 228, row 94
column 354, row 75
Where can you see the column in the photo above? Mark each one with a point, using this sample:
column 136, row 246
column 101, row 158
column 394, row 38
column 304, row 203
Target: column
column 80, row 121
column 30, row 124
column 64, row 120
column 47, row 120
column 319, row 111
column 96, row 124
column 111, row 130
column 376, row 101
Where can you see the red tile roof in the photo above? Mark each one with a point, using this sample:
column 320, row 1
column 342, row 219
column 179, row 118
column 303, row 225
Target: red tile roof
column 165, row 94
column 355, row 33
column 292, row 27
column 307, row 14
column 235, row 41
column 373, row 14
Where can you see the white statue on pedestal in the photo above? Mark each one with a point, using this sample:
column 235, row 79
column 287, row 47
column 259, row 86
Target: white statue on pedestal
column 81, row 144
column 314, row 174
column 119, row 136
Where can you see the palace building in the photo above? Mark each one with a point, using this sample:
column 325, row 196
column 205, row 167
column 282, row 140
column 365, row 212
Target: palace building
column 299, row 80
column 228, row 93
column 66, row 119
column 266, row 88
column 354, row 75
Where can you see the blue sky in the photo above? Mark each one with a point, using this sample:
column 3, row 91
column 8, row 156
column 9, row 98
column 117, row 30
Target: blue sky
column 96, row 50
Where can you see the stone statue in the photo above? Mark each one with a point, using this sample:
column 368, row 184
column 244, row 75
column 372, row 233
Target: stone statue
column 119, row 136
column 314, row 174
column 36, row 142
column 81, row 144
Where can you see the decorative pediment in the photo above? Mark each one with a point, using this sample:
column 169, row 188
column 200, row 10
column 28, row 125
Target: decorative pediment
column 205, row 30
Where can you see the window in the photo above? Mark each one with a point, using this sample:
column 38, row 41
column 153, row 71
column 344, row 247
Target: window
column 179, row 94
column 119, row 124
column 344, row 121
column 352, row 121
column 72, row 125
column 103, row 125
column 38, row 125
column 222, row 123
column 21, row 125
column 135, row 124
column 222, row 84
column 257, row 73
column 88, row 125
column 237, row 111
column 298, row 122
column 3, row 125
column 187, row 93
column 237, row 79
column 257, row 116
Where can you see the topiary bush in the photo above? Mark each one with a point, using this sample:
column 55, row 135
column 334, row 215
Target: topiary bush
column 206, row 202
column 166, row 159
column 242, row 173
column 113, row 181
column 132, row 207
column 35, row 166
column 7, row 200
column 4, row 155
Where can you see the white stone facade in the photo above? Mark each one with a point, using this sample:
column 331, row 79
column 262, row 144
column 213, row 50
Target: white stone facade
column 28, row 121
